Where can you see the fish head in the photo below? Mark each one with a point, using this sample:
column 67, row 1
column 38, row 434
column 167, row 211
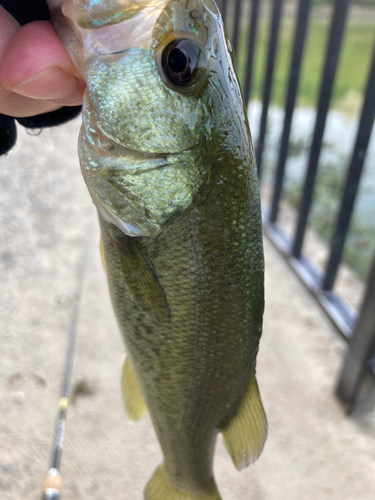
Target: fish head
column 155, row 121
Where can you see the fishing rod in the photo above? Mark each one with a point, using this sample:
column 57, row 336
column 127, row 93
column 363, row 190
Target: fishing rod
column 53, row 481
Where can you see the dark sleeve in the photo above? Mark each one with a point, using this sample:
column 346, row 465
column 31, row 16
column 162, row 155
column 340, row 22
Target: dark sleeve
column 26, row 11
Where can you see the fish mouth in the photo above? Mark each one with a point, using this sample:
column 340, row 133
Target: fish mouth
column 120, row 158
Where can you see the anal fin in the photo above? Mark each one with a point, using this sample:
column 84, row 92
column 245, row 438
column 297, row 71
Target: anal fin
column 246, row 433
column 160, row 487
column 134, row 403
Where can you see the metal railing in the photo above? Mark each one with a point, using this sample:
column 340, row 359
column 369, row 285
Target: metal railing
column 358, row 328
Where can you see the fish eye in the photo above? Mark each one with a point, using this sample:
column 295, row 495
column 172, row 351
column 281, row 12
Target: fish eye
column 180, row 61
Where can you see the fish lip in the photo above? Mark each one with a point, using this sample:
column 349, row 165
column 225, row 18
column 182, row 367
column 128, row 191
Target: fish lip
column 117, row 150
column 135, row 153
column 112, row 149
column 137, row 161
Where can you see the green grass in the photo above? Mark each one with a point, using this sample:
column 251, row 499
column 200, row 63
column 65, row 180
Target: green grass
column 353, row 65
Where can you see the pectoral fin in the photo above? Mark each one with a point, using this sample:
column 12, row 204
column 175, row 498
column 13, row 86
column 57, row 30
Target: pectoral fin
column 139, row 275
column 134, row 403
column 246, row 433
column 160, row 487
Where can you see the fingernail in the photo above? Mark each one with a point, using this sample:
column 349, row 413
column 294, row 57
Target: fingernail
column 53, row 83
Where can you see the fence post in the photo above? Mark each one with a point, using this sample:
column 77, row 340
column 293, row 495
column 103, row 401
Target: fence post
column 268, row 78
column 361, row 350
column 236, row 27
column 353, row 178
column 299, row 43
column 223, row 10
column 251, row 50
column 328, row 78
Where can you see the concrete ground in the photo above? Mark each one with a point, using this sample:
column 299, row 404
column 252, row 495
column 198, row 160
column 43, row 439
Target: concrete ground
column 314, row 451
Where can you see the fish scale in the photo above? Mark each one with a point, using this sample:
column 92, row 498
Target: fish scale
column 196, row 342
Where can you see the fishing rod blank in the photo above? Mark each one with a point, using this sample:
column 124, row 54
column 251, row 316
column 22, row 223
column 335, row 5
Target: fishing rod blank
column 53, row 480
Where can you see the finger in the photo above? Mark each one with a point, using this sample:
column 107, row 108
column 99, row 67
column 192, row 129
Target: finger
column 36, row 65
column 8, row 28
column 10, row 103
column 20, row 107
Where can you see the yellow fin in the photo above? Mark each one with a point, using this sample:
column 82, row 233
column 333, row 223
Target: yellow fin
column 134, row 403
column 246, row 433
column 101, row 248
column 160, row 487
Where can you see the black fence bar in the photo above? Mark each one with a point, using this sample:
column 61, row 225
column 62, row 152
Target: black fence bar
column 251, row 49
column 236, row 28
column 330, row 66
column 361, row 350
column 223, row 10
column 343, row 316
column 352, row 182
column 299, row 42
column 268, row 79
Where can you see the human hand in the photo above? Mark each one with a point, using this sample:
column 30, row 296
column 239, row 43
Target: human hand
column 36, row 73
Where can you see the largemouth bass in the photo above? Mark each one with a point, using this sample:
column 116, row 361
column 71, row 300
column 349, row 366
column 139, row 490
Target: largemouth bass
column 166, row 153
